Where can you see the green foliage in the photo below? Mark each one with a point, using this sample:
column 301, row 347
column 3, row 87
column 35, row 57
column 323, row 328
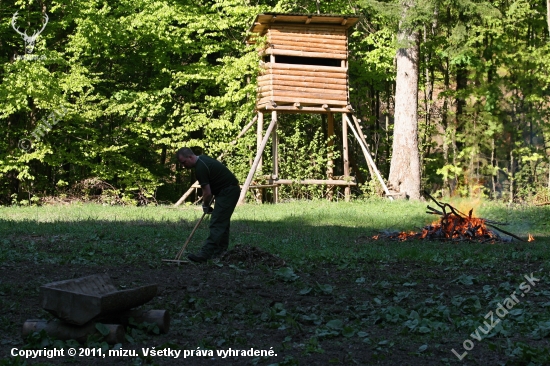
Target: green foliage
column 491, row 46
column 132, row 81
column 523, row 353
column 138, row 79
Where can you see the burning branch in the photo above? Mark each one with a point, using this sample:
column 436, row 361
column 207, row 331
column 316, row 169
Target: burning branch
column 483, row 221
column 456, row 226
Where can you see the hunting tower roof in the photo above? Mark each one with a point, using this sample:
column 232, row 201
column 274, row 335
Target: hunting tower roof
column 264, row 21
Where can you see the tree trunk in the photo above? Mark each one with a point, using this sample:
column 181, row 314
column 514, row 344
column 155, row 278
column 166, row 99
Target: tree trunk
column 511, row 176
column 494, row 174
column 405, row 162
column 548, row 15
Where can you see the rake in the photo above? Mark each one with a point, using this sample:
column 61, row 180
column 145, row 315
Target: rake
column 180, row 253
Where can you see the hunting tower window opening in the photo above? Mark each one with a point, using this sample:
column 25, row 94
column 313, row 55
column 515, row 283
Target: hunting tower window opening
column 297, row 60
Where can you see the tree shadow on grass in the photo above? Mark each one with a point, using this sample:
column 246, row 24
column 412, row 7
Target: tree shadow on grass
column 291, row 236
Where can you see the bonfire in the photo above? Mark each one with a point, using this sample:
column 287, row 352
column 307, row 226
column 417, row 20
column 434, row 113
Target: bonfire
column 454, row 225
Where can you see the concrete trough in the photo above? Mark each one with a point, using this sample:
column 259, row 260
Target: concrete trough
column 78, row 301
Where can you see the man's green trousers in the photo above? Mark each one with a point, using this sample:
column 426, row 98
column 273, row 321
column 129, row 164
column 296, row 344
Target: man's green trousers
column 220, row 222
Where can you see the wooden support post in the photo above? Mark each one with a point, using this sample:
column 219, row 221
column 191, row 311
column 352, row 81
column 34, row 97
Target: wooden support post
column 364, row 140
column 334, row 182
column 275, row 153
column 345, row 154
column 255, row 163
column 243, row 131
column 259, row 136
column 271, row 95
column 330, row 155
column 369, row 158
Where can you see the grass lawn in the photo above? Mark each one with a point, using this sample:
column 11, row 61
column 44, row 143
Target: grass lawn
column 341, row 297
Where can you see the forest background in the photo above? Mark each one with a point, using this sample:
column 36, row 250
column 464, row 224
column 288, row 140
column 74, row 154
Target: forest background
column 114, row 88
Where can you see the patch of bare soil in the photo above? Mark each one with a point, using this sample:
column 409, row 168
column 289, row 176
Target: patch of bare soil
column 251, row 256
column 323, row 314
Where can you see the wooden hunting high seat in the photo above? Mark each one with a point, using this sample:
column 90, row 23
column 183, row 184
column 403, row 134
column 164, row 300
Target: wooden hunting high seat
column 304, row 65
column 303, row 69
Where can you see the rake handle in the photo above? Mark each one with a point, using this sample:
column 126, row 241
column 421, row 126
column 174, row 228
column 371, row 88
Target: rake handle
column 178, row 256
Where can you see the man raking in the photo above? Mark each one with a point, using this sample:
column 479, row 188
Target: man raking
column 219, row 182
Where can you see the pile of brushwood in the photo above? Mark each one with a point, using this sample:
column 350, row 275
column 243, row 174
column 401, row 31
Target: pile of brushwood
column 455, row 226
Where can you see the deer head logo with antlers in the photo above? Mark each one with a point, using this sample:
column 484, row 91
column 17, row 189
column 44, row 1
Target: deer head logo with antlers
column 29, row 40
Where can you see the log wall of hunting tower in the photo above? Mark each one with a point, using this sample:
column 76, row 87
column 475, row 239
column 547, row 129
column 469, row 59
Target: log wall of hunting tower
column 304, row 65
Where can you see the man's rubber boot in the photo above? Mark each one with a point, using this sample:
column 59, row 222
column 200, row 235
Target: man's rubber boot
column 197, row 258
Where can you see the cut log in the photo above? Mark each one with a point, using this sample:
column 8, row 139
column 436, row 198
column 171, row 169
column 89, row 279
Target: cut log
column 309, row 41
column 290, row 20
column 298, row 96
column 310, row 68
column 337, row 56
column 318, row 94
column 309, row 32
column 304, row 100
column 315, row 37
column 305, row 48
column 303, row 109
column 80, row 300
column 340, row 91
column 317, row 41
column 332, row 182
column 65, row 331
column 309, row 47
column 304, row 81
column 311, row 75
column 282, row 84
column 316, row 20
column 160, row 318
column 313, row 26
column 260, row 186
column 280, row 42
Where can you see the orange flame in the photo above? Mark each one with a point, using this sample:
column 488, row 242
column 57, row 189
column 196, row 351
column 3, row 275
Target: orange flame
column 531, row 238
column 452, row 227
